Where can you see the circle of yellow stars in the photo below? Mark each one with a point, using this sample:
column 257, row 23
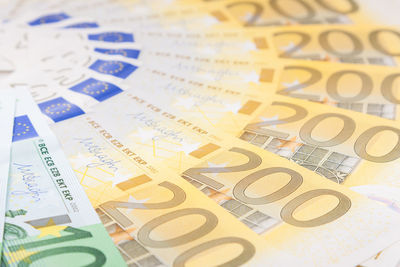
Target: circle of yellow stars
column 104, row 86
column 49, row 109
column 103, row 67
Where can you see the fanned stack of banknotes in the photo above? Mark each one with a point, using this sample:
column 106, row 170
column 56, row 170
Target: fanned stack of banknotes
column 200, row 133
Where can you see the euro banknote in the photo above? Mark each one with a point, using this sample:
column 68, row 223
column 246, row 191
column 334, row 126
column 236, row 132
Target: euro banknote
column 337, row 143
column 353, row 149
column 7, row 111
column 212, row 105
column 362, row 88
column 256, row 13
column 48, row 220
column 231, row 172
column 133, row 197
column 356, row 44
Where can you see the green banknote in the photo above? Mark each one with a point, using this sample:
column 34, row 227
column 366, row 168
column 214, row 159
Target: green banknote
column 48, row 220
column 7, row 109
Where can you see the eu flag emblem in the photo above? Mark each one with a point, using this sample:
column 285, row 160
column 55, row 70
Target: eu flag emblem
column 82, row 25
column 52, row 18
column 115, row 68
column 59, row 109
column 23, row 128
column 112, row 37
column 131, row 53
column 99, row 90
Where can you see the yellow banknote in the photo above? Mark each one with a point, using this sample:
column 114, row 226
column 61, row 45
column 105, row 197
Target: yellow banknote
column 356, row 150
column 256, row 13
column 154, row 216
column 231, row 172
column 377, row 45
column 350, row 148
column 184, row 17
column 363, row 88
column 213, row 106
column 207, row 41
column 248, row 73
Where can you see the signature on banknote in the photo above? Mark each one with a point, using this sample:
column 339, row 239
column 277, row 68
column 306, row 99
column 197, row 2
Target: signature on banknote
column 160, row 131
column 97, row 152
column 29, row 178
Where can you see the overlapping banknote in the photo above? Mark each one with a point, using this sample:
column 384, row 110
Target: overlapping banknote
column 200, row 133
